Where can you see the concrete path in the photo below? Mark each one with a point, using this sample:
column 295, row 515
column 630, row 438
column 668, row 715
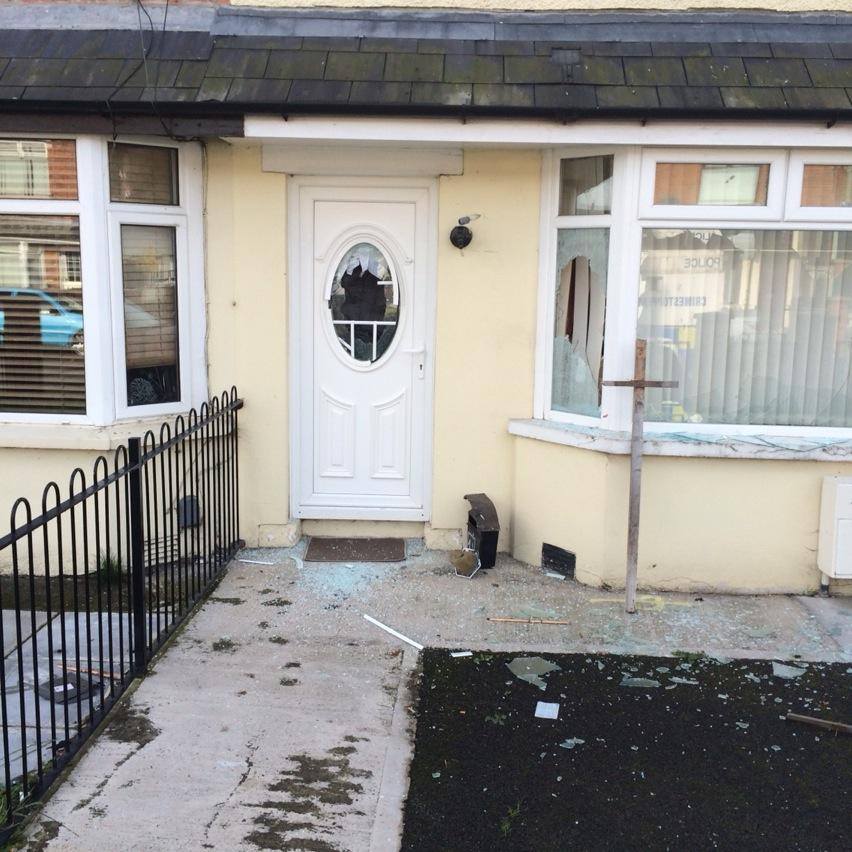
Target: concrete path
column 279, row 718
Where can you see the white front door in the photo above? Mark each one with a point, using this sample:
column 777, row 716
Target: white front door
column 362, row 301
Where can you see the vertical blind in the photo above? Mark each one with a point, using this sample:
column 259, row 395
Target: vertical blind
column 41, row 315
column 149, row 276
column 756, row 326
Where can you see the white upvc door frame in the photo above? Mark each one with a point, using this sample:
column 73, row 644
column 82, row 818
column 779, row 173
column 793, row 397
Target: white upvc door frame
column 299, row 302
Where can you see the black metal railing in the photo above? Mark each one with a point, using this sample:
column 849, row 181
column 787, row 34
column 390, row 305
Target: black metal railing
column 93, row 586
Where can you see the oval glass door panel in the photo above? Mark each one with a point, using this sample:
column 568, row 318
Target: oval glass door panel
column 364, row 303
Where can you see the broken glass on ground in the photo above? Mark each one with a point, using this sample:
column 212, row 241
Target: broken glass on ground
column 532, row 670
column 546, row 710
column 639, row 682
column 787, row 672
column 571, row 742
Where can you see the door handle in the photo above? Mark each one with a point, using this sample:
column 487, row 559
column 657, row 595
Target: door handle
column 420, row 354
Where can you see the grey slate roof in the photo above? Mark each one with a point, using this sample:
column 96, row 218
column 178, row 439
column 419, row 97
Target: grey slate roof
column 562, row 65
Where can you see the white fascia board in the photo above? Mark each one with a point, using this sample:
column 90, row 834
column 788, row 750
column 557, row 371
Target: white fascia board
column 538, row 132
column 354, row 160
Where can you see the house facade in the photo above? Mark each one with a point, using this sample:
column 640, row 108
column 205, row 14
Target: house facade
column 420, row 242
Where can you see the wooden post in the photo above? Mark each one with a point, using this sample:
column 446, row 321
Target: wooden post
column 635, row 477
column 638, row 383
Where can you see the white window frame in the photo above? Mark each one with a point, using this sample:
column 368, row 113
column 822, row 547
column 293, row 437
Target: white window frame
column 798, row 160
column 776, row 160
column 100, row 258
column 618, row 262
column 632, row 168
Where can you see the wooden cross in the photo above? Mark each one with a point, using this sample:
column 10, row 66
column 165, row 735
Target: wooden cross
column 638, row 383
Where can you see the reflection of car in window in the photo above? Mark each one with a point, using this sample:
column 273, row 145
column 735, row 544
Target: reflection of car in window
column 60, row 315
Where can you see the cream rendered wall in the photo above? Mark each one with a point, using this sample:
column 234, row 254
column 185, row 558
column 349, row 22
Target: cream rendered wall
column 564, row 5
column 247, row 327
column 485, row 331
column 706, row 524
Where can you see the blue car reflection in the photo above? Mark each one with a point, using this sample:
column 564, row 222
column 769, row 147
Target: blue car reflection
column 60, row 315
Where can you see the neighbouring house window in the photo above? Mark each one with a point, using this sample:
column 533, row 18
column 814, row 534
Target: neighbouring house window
column 143, row 174
column 42, row 369
column 149, row 277
column 106, row 276
column 722, row 184
column 827, row 185
column 737, row 271
column 38, row 168
column 578, row 342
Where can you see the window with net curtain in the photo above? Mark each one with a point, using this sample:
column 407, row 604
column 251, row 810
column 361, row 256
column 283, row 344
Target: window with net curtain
column 755, row 325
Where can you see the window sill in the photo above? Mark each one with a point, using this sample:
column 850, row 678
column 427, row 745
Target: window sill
column 75, row 436
column 687, row 445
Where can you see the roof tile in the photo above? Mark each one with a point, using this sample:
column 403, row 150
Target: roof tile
column 177, row 44
column 721, row 71
column 504, row 48
column 354, row 66
column 533, row 69
column 599, row 70
column 811, row 98
column 625, row 97
column 654, row 71
column 214, row 89
column 191, row 73
column 447, row 94
column 830, row 72
column 259, row 42
column 263, row 91
column 503, row 95
column 742, row 97
column 225, row 62
column 155, row 72
column 389, row 45
column 415, row 68
column 680, row 49
column 380, row 93
column 566, row 96
column 314, row 43
column 777, row 72
column 296, row 64
column 690, row 97
column 740, row 49
column 617, row 48
column 801, row 51
column 444, row 46
column 319, row 92
column 33, row 72
column 469, row 68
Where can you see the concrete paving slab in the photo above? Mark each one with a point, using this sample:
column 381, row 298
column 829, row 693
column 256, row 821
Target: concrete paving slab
column 279, row 718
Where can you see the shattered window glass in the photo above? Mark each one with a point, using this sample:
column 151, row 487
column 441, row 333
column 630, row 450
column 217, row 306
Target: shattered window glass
column 578, row 342
column 364, row 303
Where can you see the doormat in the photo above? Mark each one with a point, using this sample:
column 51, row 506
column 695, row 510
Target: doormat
column 355, row 550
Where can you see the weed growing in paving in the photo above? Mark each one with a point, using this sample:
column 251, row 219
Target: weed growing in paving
column 506, row 823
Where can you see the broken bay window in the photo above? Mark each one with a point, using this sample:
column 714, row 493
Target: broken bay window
column 580, row 313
